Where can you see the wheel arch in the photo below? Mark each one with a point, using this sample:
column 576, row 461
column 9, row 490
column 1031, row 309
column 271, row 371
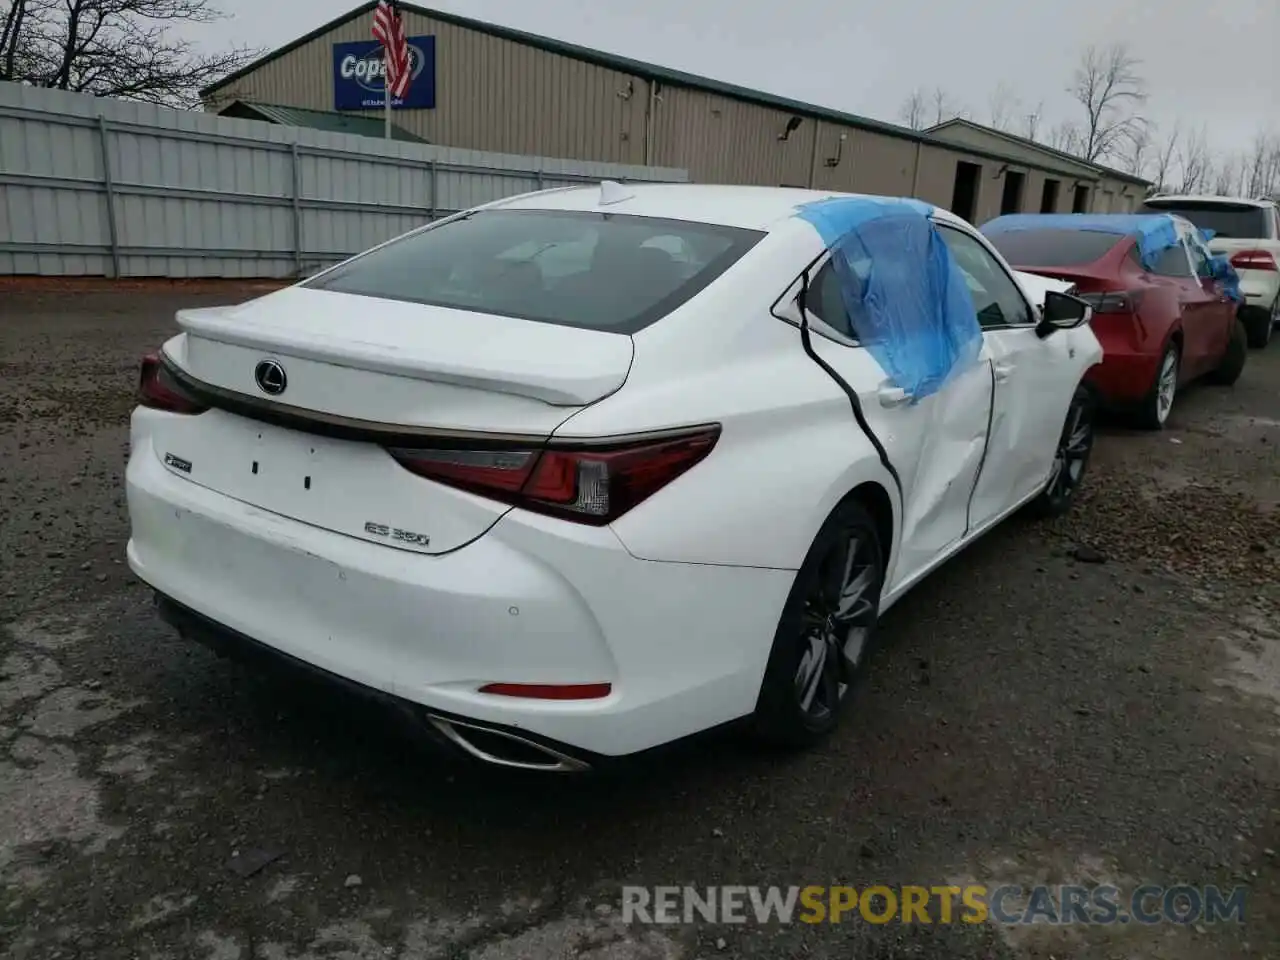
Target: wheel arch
column 875, row 498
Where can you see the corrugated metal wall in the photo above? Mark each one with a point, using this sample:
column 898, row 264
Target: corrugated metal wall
column 108, row 188
column 491, row 94
column 496, row 94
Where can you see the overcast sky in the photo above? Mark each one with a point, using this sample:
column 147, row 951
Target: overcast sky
column 1216, row 64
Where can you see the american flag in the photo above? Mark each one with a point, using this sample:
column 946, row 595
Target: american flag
column 388, row 30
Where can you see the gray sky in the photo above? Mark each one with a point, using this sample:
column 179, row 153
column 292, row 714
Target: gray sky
column 1215, row 64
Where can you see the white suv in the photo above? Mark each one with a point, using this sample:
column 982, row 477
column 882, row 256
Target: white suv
column 1248, row 233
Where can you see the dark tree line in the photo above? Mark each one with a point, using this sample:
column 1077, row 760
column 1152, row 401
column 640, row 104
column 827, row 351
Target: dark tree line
column 131, row 49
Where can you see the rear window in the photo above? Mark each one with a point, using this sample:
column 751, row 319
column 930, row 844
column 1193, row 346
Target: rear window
column 1226, row 219
column 597, row 271
column 1053, row 248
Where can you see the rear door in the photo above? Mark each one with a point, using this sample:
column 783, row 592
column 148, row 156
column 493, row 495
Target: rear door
column 935, row 444
column 1199, row 309
column 1225, row 314
column 1034, row 381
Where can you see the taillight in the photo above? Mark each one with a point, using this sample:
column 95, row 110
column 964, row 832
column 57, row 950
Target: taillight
column 587, row 483
column 1125, row 301
column 158, row 390
column 1253, row 260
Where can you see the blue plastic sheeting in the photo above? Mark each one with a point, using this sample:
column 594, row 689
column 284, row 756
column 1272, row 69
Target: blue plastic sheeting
column 1155, row 232
column 904, row 292
column 1226, row 275
column 1207, row 234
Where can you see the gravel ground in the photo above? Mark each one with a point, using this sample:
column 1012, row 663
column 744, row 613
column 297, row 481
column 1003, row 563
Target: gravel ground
column 1037, row 716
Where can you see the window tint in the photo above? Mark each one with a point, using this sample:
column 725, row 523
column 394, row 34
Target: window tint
column 826, row 302
column 1228, row 219
column 597, row 271
column 1053, row 248
column 996, row 297
column 1172, row 263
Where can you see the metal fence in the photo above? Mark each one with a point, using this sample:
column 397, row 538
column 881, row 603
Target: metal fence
column 92, row 187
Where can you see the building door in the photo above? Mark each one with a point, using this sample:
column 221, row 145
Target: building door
column 1011, row 198
column 964, row 197
column 1049, row 196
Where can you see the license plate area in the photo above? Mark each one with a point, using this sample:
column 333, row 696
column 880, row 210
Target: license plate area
column 278, row 464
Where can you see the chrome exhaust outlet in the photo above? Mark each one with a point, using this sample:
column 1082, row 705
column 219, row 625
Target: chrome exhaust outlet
column 464, row 734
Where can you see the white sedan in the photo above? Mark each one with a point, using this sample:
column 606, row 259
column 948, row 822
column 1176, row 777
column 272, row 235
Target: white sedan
column 583, row 472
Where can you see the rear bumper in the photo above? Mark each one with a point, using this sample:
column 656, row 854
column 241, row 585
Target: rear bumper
column 1124, row 377
column 495, row 744
column 534, row 600
column 1261, row 288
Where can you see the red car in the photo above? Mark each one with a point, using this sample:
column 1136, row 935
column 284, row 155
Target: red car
column 1161, row 317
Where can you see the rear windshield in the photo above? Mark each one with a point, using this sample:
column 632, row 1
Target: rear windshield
column 1227, row 219
column 597, row 271
column 1053, row 248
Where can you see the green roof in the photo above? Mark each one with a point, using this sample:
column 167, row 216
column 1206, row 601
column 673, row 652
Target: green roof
column 645, row 71
column 362, row 125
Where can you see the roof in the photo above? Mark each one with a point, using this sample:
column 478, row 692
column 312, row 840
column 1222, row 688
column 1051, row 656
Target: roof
column 1043, row 148
column 659, row 74
column 1207, row 198
column 327, row 120
column 745, row 207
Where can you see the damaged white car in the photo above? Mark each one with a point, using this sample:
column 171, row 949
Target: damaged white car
column 580, row 473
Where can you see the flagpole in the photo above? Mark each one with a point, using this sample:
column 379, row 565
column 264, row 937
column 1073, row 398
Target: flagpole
column 386, row 91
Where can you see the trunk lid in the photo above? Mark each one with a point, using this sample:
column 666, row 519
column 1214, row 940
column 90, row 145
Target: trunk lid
column 358, row 371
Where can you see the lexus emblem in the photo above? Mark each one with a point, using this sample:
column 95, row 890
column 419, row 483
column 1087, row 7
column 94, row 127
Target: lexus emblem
column 270, row 377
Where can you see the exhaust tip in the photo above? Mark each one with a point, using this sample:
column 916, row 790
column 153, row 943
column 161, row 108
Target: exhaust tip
column 502, row 749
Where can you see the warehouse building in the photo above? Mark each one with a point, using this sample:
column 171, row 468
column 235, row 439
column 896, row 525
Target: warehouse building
column 485, row 87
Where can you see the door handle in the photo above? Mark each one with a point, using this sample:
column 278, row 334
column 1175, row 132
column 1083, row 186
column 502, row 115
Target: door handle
column 892, row 396
column 1002, row 371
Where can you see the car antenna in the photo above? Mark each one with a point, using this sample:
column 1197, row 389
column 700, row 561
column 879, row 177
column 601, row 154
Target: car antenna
column 612, row 192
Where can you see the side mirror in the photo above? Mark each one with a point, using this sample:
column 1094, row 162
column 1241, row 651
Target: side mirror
column 1062, row 311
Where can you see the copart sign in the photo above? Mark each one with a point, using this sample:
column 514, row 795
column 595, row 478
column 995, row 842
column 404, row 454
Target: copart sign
column 358, row 80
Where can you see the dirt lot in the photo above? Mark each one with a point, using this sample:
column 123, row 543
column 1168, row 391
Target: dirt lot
column 1035, row 718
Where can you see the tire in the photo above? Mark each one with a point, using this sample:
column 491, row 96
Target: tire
column 1154, row 411
column 815, row 656
column 1232, row 363
column 1258, row 324
column 1071, row 459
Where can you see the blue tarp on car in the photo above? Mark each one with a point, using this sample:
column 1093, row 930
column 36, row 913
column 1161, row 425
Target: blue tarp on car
column 903, row 290
column 1155, row 232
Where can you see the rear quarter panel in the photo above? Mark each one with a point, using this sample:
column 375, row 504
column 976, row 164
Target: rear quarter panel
column 790, row 448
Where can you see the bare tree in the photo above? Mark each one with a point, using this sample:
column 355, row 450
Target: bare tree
column 1164, row 153
column 924, row 109
column 1003, row 107
column 913, row 110
column 16, row 24
column 1032, row 120
column 1227, row 176
column 1194, row 161
column 114, row 48
column 1111, row 90
column 1260, row 167
column 1067, row 137
column 1137, row 156
column 943, row 107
